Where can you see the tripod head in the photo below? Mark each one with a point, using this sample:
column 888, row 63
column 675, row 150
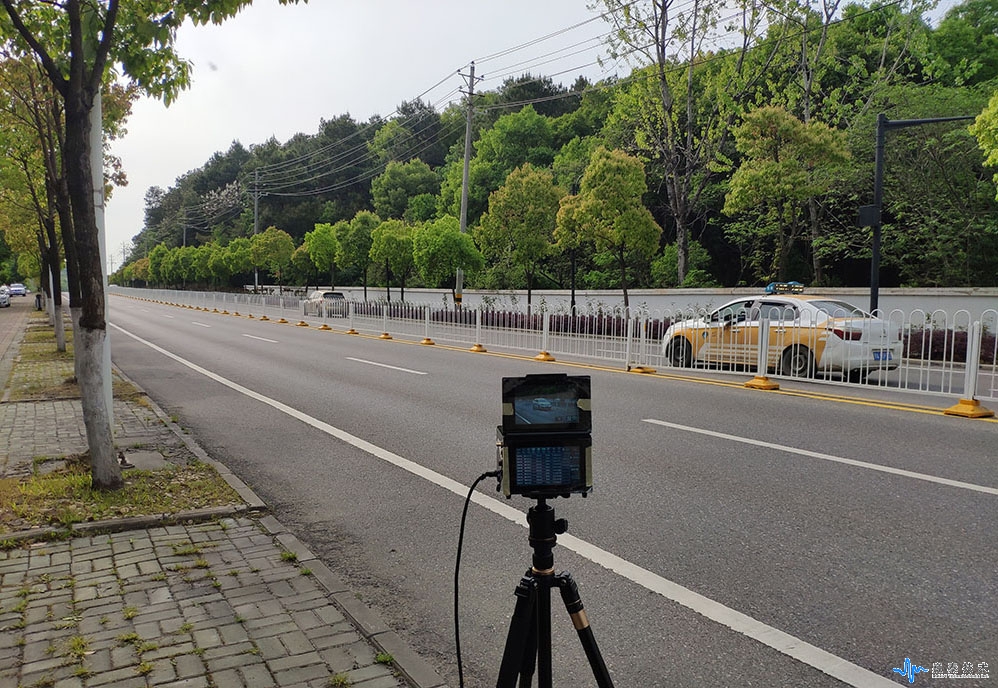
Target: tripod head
column 543, row 535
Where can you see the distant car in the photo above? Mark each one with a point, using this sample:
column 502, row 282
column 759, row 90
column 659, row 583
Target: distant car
column 808, row 336
column 17, row 289
column 4, row 298
column 326, row 304
column 541, row 404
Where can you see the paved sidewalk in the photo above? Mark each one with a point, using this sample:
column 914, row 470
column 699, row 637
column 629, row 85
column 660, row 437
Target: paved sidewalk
column 225, row 599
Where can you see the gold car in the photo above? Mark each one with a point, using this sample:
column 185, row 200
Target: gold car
column 808, row 336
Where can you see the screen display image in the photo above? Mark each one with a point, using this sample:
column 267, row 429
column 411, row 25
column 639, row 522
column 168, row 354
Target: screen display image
column 548, row 466
column 553, row 407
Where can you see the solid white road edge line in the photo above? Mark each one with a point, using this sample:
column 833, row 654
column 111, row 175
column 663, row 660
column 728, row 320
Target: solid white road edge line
column 385, row 365
column 822, row 660
column 828, row 457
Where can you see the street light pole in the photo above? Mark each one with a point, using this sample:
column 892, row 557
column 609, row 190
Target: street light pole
column 872, row 215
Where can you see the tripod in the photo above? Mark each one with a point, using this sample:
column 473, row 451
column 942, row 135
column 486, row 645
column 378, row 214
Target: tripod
column 528, row 644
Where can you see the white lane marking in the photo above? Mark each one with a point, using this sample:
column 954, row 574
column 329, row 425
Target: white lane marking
column 822, row 660
column 385, row 365
column 252, row 336
column 195, row 322
column 828, row 457
column 166, row 316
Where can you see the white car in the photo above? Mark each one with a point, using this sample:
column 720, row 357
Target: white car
column 808, row 336
column 4, row 297
column 18, row 289
column 326, row 304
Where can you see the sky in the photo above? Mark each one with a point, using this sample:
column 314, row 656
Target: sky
column 275, row 71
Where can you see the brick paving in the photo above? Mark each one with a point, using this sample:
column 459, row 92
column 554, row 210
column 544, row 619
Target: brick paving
column 234, row 602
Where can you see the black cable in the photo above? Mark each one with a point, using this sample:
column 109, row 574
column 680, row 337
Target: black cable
column 457, row 570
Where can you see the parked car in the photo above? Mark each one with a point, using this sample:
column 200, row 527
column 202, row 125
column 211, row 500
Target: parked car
column 18, row 289
column 808, row 335
column 326, row 304
column 4, row 297
column 541, row 404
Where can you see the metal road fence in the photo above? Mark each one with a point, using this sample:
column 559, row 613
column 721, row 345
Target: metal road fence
column 936, row 352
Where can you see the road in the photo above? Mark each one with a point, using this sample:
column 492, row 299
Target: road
column 734, row 537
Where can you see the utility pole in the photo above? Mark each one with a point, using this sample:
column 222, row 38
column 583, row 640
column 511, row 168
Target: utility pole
column 459, row 279
column 256, row 223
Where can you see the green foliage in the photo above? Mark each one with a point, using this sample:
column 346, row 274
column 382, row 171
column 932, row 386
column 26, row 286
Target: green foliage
column 272, row 250
column 391, row 244
column 439, row 249
column 665, row 274
column 321, row 246
column 786, row 163
column 519, row 225
column 610, row 214
column 400, row 182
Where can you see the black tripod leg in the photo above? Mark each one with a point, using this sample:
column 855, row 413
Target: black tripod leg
column 521, row 642
column 573, row 603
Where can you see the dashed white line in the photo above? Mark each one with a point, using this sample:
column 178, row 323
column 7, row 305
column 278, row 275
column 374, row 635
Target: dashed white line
column 811, row 655
column 385, row 365
column 827, row 457
column 195, row 322
column 262, row 339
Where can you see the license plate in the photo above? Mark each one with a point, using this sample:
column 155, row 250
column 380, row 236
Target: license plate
column 882, row 356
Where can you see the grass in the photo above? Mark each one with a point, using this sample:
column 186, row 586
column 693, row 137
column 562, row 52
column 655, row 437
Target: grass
column 65, row 497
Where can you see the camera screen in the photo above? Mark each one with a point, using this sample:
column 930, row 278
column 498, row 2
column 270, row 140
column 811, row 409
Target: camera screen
column 548, row 466
column 554, row 407
column 546, row 403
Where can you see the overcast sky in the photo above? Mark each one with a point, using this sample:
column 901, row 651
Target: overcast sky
column 278, row 70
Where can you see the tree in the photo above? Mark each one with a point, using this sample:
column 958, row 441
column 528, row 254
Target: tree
column 322, row 244
column 272, row 249
column 355, row 244
column 524, row 136
column 786, row 164
column 139, row 37
column 439, row 248
column 678, row 130
column 985, row 129
column 392, row 191
column 238, row 256
column 391, row 243
column 520, row 221
column 610, row 213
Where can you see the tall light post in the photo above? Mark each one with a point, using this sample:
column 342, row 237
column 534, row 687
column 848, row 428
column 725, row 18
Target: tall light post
column 872, row 215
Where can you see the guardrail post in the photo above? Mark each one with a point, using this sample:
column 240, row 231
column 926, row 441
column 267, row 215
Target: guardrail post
column 969, row 406
column 478, row 347
column 350, row 309
column 384, row 321
column 426, row 330
column 761, row 380
column 546, row 328
column 642, row 347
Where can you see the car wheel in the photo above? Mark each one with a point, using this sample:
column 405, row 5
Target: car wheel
column 680, row 353
column 797, row 361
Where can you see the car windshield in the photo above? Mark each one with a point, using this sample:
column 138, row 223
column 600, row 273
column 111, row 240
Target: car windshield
column 839, row 309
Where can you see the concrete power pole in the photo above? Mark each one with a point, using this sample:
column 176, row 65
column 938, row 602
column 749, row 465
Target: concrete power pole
column 459, row 280
column 256, row 223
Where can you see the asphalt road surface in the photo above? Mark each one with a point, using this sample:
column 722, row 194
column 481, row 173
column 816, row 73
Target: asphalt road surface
column 734, row 537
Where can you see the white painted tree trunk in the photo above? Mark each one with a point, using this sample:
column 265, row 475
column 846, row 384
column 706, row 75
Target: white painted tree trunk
column 89, row 348
column 60, row 326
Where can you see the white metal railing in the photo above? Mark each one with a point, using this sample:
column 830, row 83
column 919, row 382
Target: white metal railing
column 917, row 351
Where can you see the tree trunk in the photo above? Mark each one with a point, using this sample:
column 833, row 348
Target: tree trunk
column 92, row 328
